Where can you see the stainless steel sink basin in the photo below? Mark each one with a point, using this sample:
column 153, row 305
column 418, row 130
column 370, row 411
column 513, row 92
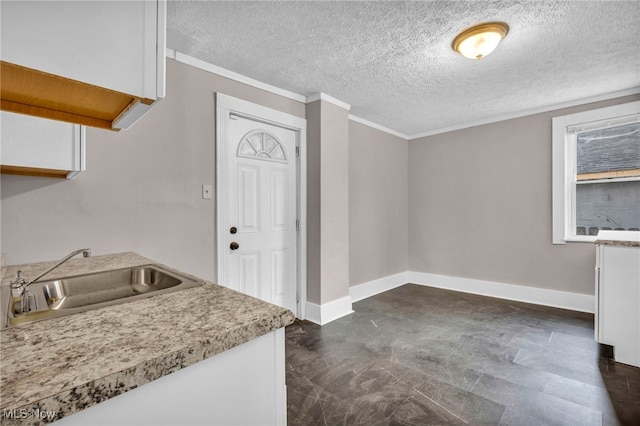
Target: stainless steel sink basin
column 69, row 295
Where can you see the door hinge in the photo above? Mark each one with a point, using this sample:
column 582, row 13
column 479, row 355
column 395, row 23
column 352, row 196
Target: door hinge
column 297, row 151
column 297, row 225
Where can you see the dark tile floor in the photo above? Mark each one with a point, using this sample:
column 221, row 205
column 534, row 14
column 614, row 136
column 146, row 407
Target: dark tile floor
column 423, row 356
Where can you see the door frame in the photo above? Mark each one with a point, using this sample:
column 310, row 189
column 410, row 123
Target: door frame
column 225, row 104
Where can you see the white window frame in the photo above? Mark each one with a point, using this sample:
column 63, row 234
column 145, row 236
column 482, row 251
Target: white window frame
column 564, row 145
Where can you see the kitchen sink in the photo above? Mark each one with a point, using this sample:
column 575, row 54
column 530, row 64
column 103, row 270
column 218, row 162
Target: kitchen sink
column 101, row 287
column 69, row 295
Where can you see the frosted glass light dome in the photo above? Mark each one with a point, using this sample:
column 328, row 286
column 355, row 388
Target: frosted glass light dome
column 477, row 42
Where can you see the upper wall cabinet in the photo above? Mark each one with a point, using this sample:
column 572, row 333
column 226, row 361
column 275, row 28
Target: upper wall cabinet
column 39, row 147
column 96, row 63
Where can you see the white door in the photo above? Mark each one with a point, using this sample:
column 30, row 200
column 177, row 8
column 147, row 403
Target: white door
column 257, row 197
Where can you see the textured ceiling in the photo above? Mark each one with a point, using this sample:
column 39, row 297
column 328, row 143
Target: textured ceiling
column 393, row 62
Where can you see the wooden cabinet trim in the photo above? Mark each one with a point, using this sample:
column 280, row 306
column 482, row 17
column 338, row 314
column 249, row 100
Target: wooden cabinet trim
column 33, row 171
column 28, row 91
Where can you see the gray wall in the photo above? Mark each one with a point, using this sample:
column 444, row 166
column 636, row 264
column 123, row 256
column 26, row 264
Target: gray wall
column 327, row 202
column 335, row 202
column 378, row 204
column 142, row 188
column 314, row 241
column 480, row 206
column 479, row 199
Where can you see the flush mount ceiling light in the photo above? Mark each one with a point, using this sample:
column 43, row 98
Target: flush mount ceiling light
column 478, row 41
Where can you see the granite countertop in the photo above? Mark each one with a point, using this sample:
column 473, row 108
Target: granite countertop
column 619, row 238
column 69, row 363
column 618, row 243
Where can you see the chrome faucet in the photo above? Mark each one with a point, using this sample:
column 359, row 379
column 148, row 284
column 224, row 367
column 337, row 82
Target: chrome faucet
column 22, row 285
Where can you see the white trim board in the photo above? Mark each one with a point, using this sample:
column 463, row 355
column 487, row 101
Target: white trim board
column 525, row 113
column 327, row 312
column 323, row 96
column 223, row 72
column 371, row 288
column 377, row 127
column 538, row 296
column 214, row 69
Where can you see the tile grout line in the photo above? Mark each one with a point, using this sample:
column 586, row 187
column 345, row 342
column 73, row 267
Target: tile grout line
column 476, row 382
column 398, row 407
column 441, row 406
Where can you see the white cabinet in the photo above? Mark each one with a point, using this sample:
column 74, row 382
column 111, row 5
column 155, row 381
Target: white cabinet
column 617, row 319
column 242, row 386
column 98, row 61
column 40, row 147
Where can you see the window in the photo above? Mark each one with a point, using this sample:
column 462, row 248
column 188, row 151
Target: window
column 261, row 145
column 596, row 172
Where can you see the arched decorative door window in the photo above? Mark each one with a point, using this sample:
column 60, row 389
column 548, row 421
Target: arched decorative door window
column 261, row 145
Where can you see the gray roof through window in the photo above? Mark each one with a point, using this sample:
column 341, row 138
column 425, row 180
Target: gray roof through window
column 610, row 149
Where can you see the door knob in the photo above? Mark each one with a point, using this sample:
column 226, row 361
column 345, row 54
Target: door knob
column 233, row 230
column 234, row 246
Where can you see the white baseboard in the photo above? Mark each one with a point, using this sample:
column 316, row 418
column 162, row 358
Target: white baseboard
column 539, row 296
column 327, row 312
column 371, row 288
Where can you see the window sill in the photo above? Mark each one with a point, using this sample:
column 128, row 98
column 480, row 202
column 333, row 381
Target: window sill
column 579, row 239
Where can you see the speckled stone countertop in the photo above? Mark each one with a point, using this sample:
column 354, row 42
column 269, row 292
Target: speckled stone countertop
column 619, row 238
column 66, row 364
column 618, row 243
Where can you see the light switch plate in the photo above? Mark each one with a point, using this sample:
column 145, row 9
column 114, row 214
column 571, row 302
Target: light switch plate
column 207, row 191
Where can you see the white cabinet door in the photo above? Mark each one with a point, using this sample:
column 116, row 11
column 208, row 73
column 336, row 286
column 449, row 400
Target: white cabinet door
column 97, row 63
column 242, row 386
column 53, row 148
column 104, row 43
column 618, row 304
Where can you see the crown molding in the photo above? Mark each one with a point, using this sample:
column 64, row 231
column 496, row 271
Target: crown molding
column 495, row 119
column 197, row 63
column 214, row 69
column 377, row 127
column 323, row 96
